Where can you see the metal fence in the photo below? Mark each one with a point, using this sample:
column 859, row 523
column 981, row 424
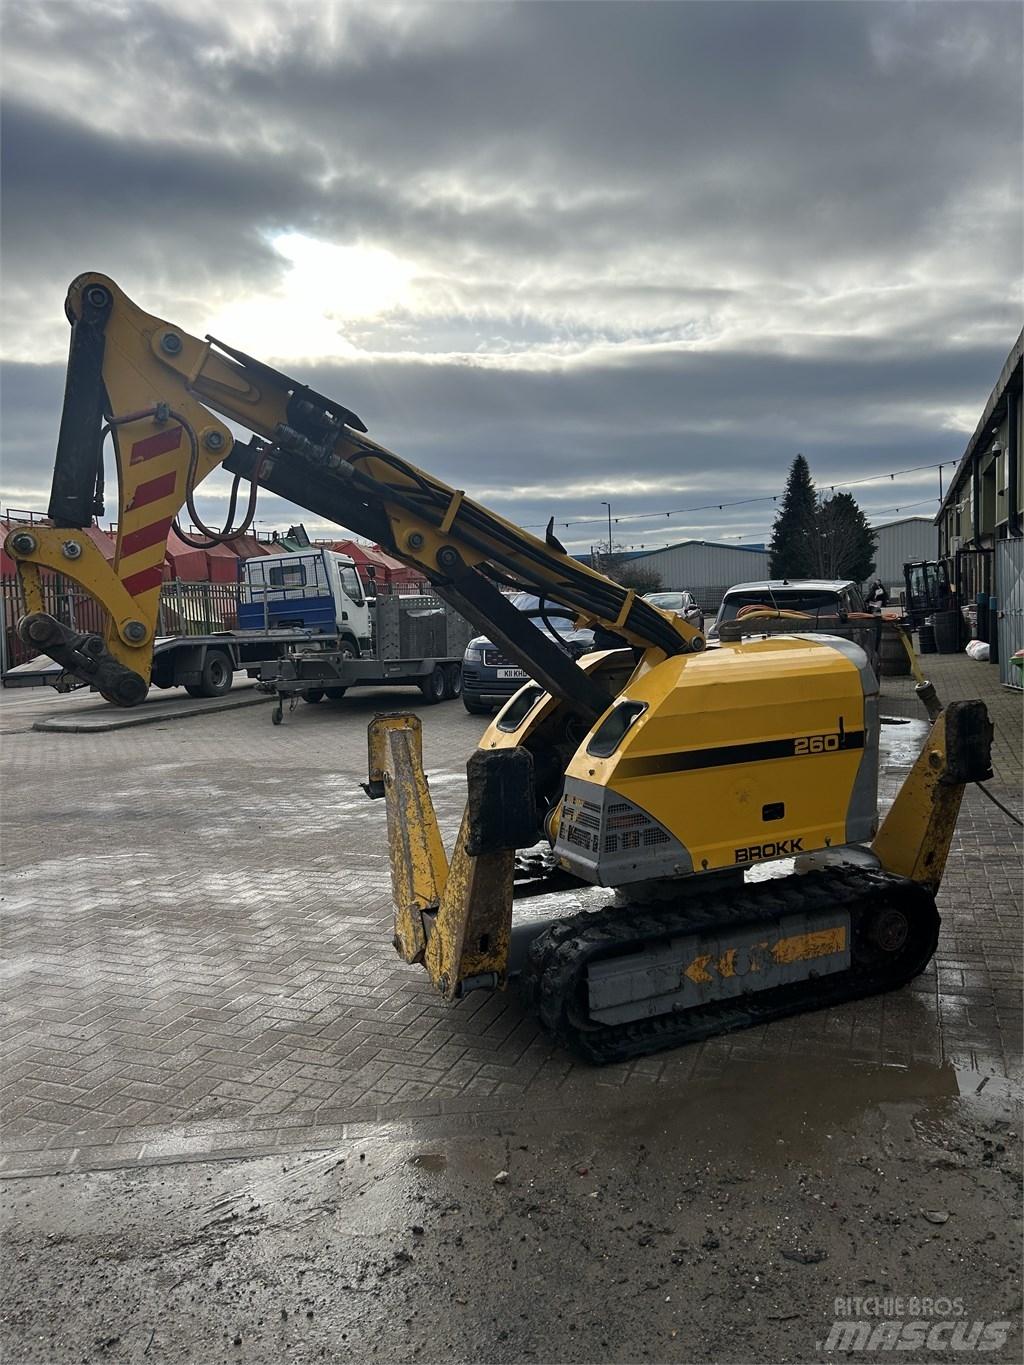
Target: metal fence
column 62, row 599
column 1010, row 599
column 197, row 608
column 185, row 609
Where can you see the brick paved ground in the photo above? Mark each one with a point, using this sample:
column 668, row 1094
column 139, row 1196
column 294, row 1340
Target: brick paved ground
column 197, row 951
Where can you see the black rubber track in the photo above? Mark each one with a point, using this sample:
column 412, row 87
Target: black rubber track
column 555, row 974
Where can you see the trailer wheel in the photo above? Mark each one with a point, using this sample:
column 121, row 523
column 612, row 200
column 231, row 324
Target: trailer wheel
column 194, row 690
column 435, row 686
column 335, row 693
column 453, row 681
column 313, row 695
column 217, row 674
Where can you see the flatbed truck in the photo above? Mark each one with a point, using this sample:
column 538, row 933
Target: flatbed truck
column 307, row 625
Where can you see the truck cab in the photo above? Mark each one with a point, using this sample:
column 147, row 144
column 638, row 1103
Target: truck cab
column 316, row 590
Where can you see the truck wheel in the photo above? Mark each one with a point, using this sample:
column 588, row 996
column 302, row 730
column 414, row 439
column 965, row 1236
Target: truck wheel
column 335, row 693
column 476, row 708
column 194, row 690
column 217, row 674
column 434, row 687
column 313, row 695
column 453, row 681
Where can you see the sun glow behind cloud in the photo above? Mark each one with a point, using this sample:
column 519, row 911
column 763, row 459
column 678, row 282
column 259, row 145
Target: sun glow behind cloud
column 325, row 287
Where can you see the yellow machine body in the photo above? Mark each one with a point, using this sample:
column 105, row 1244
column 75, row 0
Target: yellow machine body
column 742, row 754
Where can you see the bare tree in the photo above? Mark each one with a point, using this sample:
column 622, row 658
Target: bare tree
column 630, row 572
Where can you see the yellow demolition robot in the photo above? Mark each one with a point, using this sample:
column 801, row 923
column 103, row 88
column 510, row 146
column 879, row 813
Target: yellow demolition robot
column 653, row 766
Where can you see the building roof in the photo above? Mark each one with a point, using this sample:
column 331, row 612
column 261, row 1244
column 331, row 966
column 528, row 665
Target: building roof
column 708, row 544
column 902, row 521
column 989, row 419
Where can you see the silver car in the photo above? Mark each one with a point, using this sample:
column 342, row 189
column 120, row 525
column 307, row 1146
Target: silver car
column 816, row 597
column 681, row 603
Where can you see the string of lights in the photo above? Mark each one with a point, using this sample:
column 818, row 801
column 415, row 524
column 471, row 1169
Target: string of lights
column 743, row 502
column 761, row 536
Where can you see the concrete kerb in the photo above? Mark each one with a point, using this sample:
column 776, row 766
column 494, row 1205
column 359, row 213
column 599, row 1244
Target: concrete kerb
column 108, row 718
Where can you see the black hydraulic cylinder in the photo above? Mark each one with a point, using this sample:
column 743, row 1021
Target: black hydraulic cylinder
column 76, row 490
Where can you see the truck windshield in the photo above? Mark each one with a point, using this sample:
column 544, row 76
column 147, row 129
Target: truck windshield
column 350, row 582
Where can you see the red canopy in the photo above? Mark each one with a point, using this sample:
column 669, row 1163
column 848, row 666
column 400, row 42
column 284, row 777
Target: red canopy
column 183, row 561
column 388, row 570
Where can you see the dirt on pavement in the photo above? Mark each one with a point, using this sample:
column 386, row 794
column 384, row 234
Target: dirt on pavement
column 721, row 1230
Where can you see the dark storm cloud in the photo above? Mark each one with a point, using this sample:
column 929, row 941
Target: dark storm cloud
column 670, row 242
column 540, row 444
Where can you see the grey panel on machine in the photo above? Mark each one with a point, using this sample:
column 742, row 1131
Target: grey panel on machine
column 691, row 970
column 605, row 839
column 862, row 812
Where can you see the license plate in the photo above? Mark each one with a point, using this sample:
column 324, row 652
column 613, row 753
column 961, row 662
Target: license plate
column 512, row 674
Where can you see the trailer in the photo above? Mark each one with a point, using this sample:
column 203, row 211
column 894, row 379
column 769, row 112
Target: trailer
column 416, row 640
column 296, row 616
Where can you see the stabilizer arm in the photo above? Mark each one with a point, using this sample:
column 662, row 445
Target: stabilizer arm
column 457, row 919
column 915, row 835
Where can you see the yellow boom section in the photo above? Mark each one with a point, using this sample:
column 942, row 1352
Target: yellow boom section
column 165, row 397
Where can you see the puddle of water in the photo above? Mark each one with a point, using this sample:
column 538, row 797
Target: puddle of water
column 434, row 1162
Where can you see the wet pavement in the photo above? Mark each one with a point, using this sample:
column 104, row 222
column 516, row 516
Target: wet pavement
column 198, row 969
column 721, row 1224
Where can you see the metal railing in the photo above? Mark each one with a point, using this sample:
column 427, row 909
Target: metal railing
column 185, row 609
column 62, row 599
column 197, row 608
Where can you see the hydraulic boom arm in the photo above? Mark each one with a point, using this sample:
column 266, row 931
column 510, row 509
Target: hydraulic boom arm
column 165, row 397
column 665, row 779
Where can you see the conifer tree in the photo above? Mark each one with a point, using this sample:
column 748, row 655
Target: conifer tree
column 792, row 547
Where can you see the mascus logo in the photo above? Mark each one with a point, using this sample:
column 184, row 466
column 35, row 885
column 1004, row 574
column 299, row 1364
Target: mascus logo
column 756, row 852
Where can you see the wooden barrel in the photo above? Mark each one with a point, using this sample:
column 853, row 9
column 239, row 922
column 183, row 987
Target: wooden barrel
column 893, row 660
column 947, row 632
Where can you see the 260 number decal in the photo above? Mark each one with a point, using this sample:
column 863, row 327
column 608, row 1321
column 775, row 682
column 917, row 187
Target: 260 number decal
column 816, row 744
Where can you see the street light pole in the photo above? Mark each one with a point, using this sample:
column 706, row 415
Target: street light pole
column 609, row 506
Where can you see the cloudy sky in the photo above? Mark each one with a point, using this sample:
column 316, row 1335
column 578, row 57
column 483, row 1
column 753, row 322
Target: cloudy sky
column 556, row 253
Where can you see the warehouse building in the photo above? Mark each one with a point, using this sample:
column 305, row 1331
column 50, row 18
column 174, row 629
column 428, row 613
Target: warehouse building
column 705, row 567
column 985, row 499
column 900, row 542
column 708, row 568
column 981, row 519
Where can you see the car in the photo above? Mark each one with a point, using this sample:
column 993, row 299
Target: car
column 681, row 603
column 489, row 678
column 815, row 597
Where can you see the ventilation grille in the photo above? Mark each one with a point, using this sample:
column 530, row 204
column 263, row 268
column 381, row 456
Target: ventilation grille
column 626, row 829
column 635, row 838
column 579, row 837
column 581, row 823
